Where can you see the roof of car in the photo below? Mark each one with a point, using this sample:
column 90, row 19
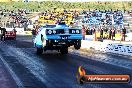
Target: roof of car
column 50, row 26
column 59, row 25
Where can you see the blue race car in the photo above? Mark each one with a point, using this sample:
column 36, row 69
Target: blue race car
column 57, row 37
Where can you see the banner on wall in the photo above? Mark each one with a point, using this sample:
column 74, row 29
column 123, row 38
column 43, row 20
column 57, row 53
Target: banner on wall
column 124, row 49
column 19, row 30
column 89, row 37
column 119, row 48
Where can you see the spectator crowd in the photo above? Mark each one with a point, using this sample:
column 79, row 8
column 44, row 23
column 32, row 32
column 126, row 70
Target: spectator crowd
column 14, row 18
column 107, row 22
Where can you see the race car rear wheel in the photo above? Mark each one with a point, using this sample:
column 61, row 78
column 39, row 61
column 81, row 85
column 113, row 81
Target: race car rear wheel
column 64, row 50
column 77, row 45
column 39, row 51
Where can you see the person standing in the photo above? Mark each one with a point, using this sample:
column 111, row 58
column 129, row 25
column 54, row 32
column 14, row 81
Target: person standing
column 83, row 32
column 87, row 31
column 110, row 33
column 101, row 33
column 123, row 34
column 3, row 32
column 93, row 30
column 33, row 34
column 113, row 33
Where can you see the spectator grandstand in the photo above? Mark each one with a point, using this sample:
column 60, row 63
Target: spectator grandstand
column 97, row 17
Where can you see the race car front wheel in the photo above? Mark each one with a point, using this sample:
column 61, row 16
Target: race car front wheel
column 39, row 51
column 77, row 44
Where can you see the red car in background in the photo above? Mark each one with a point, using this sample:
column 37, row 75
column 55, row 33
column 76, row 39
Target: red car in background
column 10, row 34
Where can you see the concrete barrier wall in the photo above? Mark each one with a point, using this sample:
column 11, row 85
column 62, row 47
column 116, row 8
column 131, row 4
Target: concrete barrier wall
column 20, row 31
column 119, row 48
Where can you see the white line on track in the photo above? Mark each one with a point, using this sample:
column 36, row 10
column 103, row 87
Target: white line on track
column 14, row 76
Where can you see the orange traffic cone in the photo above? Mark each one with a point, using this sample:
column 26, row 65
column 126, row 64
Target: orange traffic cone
column 95, row 37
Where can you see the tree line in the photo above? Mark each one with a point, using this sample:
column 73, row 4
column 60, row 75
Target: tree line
column 48, row 5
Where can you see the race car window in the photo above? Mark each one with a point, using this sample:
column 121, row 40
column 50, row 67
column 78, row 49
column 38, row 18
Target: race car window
column 50, row 26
